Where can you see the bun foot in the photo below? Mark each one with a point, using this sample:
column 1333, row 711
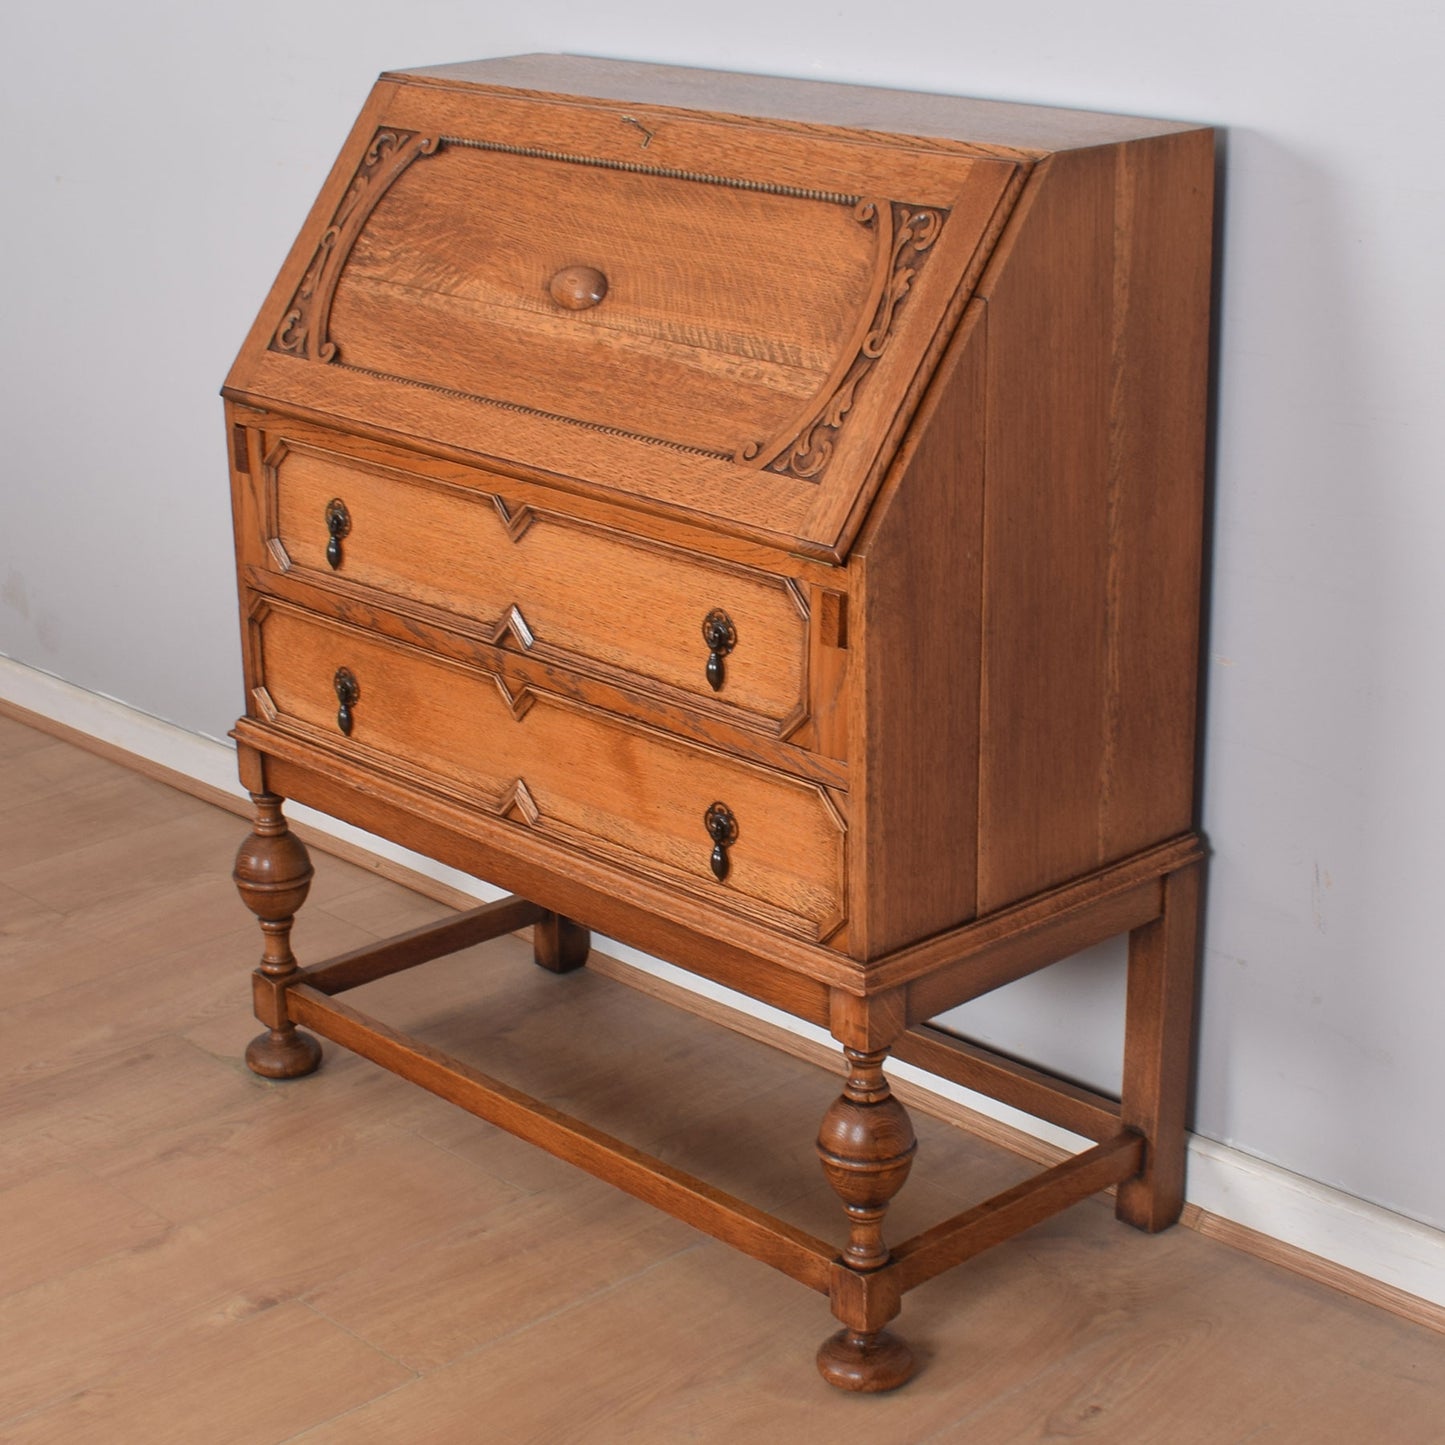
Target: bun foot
column 283, row 1054
column 870, row 1363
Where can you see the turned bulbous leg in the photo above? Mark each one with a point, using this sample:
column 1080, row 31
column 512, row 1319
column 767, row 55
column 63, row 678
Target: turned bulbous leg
column 866, row 1146
column 865, row 1361
column 273, row 875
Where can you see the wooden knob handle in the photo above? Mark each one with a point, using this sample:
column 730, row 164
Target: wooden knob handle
column 578, row 287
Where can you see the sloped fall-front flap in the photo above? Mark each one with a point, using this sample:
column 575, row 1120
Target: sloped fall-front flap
column 695, row 316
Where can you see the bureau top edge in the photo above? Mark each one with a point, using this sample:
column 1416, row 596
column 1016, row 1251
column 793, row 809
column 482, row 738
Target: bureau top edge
column 1015, row 128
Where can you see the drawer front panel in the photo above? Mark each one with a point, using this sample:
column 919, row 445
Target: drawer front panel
column 579, row 777
column 557, row 584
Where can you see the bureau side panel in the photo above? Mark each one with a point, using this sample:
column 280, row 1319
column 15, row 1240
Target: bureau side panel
column 917, row 579
column 1098, row 333
column 1164, row 217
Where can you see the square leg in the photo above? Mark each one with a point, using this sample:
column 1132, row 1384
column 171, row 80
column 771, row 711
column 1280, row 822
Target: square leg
column 1158, row 1039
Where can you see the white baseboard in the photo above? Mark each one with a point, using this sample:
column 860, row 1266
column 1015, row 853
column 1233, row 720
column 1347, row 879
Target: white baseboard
column 1225, row 1182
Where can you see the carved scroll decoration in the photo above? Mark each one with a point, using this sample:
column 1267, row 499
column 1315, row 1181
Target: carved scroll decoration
column 802, row 450
column 805, row 448
column 303, row 329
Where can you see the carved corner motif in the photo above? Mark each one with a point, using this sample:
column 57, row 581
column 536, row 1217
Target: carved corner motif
column 518, row 804
column 518, row 703
column 515, row 625
column 264, row 705
column 516, row 519
column 905, row 234
column 302, row 331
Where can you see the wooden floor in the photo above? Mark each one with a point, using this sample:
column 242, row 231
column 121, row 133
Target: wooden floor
column 190, row 1254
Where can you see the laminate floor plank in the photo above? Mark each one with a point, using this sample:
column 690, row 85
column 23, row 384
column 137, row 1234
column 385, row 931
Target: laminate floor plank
column 203, row 1162
column 51, row 842
column 711, row 1346
column 539, row 1255
column 27, row 1153
column 21, row 917
column 120, row 1100
column 1257, row 1354
column 252, row 1383
column 161, row 844
column 64, row 1220
column 18, row 738
column 45, row 772
column 191, row 1253
column 378, row 905
column 112, row 935
column 164, row 992
column 136, row 1304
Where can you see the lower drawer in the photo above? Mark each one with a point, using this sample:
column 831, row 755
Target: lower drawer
column 727, row 831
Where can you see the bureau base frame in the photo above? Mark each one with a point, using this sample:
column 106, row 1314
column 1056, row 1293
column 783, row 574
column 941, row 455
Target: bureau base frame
column 865, row 1142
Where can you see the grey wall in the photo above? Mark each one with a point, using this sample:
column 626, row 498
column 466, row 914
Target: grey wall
column 160, row 156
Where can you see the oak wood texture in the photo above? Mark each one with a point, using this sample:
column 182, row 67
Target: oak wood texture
column 440, row 1274
column 960, row 1238
column 1091, row 515
column 773, row 541
column 914, row 713
column 803, row 469
column 580, row 778
column 540, row 579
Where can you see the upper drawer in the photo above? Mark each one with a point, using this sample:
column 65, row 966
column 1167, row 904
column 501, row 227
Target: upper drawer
column 693, row 314
column 593, row 598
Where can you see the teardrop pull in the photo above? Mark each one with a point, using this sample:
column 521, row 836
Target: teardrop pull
column 722, row 828
column 338, row 525
column 721, row 637
column 348, row 694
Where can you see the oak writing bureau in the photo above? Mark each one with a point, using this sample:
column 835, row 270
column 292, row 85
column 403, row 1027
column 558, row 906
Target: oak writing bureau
column 759, row 520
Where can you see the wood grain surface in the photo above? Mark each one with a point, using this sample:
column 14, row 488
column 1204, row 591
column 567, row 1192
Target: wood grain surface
column 539, row 578
column 583, row 779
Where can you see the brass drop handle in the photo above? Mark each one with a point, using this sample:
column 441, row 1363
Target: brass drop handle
column 722, row 828
column 338, row 525
column 721, row 637
column 578, row 288
column 348, row 694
